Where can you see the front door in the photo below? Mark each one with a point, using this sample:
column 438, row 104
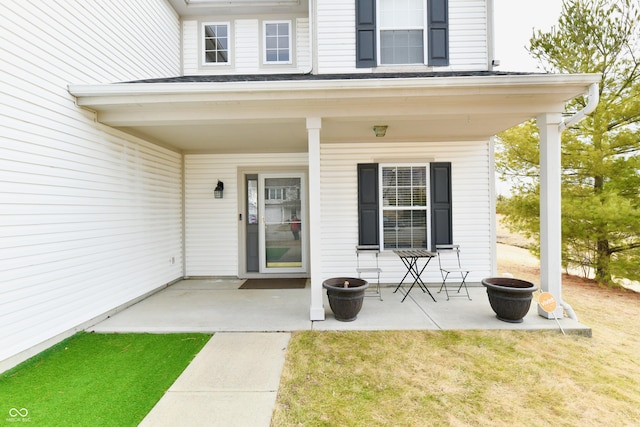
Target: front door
column 281, row 225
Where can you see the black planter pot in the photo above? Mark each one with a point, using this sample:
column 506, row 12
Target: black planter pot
column 510, row 298
column 345, row 302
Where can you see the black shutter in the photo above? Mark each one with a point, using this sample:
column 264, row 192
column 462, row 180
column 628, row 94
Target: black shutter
column 365, row 33
column 441, row 206
column 438, row 32
column 368, row 209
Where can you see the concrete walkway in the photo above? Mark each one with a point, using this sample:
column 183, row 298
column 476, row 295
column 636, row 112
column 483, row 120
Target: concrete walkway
column 233, row 381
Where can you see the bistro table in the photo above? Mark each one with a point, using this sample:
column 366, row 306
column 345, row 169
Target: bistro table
column 410, row 258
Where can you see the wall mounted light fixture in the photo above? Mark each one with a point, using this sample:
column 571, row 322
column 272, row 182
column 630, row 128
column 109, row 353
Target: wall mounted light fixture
column 380, row 130
column 217, row 193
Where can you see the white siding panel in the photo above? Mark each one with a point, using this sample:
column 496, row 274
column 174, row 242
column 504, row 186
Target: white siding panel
column 471, row 209
column 85, row 229
column 303, row 45
column 211, row 225
column 247, row 47
column 190, row 48
column 85, row 44
column 90, row 218
column 336, row 37
column 468, row 35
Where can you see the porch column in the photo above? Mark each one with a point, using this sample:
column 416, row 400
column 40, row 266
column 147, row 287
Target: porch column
column 313, row 133
column 550, row 209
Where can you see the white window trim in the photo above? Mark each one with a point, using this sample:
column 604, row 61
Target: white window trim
column 203, row 45
column 264, row 42
column 380, row 28
column 427, row 167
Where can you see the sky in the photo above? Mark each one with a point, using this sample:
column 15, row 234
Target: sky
column 515, row 21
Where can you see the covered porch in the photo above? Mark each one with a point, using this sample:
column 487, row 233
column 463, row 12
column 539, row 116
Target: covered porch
column 301, row 115
column 217, row 305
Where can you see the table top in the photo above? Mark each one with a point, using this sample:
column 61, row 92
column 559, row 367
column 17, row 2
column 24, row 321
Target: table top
column 414, row 253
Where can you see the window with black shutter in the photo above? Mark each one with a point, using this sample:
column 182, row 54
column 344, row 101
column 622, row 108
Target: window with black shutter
column 402, row 199
column 395, row 32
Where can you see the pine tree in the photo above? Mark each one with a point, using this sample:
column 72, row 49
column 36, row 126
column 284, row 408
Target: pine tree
column 600, row 155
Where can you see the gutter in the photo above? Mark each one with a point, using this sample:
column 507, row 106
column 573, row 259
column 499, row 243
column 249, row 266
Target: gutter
column 524, row 84
column 594, row 98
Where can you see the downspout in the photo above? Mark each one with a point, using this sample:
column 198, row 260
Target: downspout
column 594, row 98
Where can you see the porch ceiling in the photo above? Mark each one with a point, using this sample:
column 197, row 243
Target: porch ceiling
column 270, row 116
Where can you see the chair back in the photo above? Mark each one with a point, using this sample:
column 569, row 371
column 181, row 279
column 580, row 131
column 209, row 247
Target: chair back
column 448, row 256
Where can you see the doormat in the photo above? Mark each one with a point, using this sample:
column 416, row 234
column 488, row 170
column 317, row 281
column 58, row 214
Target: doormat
column 274, row 284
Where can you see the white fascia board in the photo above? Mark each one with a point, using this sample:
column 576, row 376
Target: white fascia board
column 344, row 87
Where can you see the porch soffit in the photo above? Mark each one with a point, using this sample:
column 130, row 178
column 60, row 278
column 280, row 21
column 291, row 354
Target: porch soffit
column 270, row 116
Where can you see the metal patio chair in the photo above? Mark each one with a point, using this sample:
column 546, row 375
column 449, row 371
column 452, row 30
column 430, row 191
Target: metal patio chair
column 450, row 268
column 368, row 267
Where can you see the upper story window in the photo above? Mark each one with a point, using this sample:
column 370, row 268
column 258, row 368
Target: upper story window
column 401, row 31
column 404, row 32
column 277, row 42
column 216, row 43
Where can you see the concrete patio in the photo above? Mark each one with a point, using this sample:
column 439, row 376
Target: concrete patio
column 217, row 305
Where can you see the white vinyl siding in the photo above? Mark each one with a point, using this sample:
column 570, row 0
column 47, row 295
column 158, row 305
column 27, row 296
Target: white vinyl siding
column 90, row 218
column 191, row 49
column 336, row 45
column 132, row 40
column 303, row 46
column 468, row 35
column 212, row 225
column 87, row 225
column 471, row 208
column 468, row 38
column 247, row 32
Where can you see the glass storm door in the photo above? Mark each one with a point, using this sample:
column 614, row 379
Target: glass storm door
column 282, row 229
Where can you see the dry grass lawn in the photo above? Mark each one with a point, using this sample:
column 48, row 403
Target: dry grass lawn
column 473, row 378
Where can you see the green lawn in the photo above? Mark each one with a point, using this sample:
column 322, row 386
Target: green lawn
column 471, row 378
column 96, row 379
